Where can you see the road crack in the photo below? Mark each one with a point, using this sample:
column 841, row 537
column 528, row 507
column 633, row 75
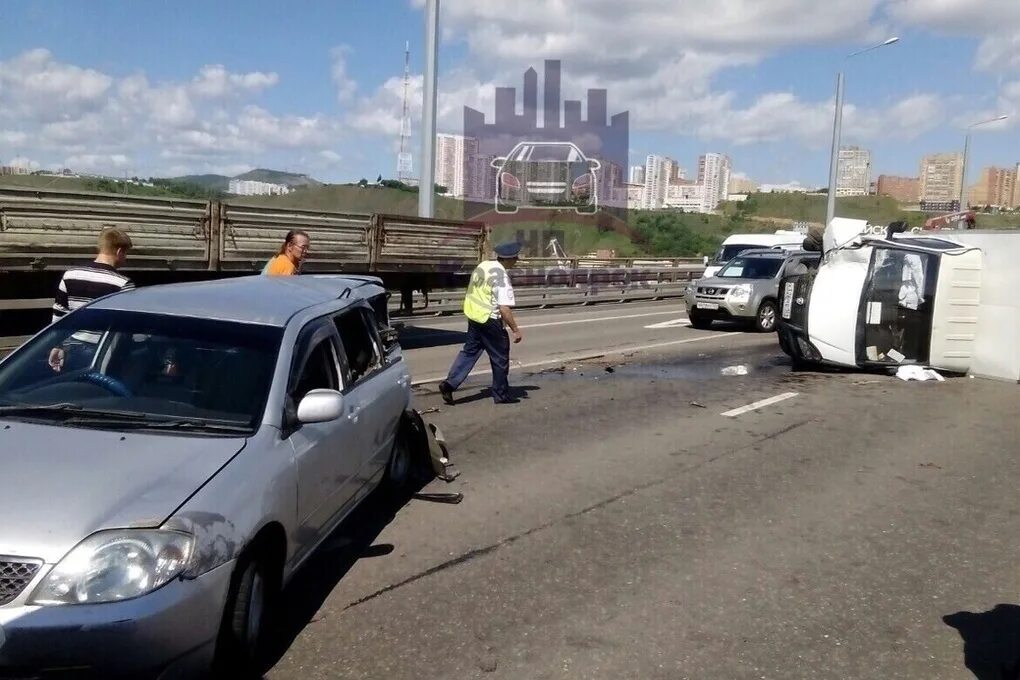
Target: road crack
column 481, row 552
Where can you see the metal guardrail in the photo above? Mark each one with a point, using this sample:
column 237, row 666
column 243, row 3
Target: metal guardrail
column 451, row 301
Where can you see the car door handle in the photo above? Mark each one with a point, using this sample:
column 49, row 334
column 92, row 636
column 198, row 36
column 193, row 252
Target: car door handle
column 353, row 415
column 402, row 380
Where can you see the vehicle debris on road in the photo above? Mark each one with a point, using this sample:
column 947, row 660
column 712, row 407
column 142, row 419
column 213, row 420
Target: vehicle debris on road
column 918, row 373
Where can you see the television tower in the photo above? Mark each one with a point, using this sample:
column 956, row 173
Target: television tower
column 404, row 156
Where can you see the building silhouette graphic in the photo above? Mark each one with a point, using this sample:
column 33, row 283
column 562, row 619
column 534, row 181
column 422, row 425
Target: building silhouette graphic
column 547, row 121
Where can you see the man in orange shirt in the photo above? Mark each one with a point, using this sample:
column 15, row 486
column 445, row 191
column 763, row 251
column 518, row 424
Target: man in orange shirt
column 292, row 253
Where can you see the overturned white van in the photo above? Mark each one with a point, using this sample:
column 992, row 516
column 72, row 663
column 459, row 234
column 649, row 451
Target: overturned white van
column 882, row 299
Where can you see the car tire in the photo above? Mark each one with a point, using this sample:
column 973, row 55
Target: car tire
column 401, row 467
column 765, row 319
column 250, row 599
column 698, row 321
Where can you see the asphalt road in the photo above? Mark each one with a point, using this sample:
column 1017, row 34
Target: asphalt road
column 630, row 519
column 552, row 336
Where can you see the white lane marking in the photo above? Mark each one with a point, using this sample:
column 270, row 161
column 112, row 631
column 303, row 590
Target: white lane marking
column 460, row 325
column 760, row 404
column 601, row 318
column 673, row 323
column 587, row 355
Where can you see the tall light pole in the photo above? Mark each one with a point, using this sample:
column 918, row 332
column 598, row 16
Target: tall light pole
column 427, row 184
column 966, row 149
column 837, row 124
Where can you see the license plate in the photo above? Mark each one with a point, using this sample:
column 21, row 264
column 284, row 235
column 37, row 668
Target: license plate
column 788, row 299
column 707, row 305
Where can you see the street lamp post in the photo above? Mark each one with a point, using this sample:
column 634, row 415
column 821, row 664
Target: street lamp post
column 837, row 124
column 427, row 184
column 966, row 150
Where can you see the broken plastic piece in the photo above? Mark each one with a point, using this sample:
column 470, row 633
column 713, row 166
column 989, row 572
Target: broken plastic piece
column 895, row 356
column 735, row 370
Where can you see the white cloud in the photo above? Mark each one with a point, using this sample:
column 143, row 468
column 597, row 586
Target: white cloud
column 995, row 22
column 98, row 162
column 22, row 162
column 342, row 81
column 97, row 121
column 215, row 81
column 34, row 85
column 13, row 137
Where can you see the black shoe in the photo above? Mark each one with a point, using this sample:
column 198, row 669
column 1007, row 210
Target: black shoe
column 506, row 401
column 447, row 392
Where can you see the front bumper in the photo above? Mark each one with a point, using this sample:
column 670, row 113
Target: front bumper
column 168, row 633
column 719, row 307
column 796, row 343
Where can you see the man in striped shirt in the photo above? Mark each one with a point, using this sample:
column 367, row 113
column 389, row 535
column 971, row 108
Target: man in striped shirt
column 81, row 285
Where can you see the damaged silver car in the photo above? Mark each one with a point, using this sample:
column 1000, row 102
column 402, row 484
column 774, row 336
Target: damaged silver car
column 196, row 444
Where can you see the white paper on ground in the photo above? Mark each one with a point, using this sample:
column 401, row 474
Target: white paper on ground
column 918, row 373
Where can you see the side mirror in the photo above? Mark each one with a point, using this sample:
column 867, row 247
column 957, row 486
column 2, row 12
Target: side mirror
column 704, row 260
column 594, row 164
column 320, row 406
column 498, row 162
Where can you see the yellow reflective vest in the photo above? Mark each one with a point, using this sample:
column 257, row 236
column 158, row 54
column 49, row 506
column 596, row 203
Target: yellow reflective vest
column 478, row 302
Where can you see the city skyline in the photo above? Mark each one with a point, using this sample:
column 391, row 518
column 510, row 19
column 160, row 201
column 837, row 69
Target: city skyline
column 113, row 89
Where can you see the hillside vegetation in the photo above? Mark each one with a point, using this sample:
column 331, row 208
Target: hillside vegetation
column 663, row 233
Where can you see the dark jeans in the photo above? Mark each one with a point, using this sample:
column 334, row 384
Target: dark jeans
column 491, row 337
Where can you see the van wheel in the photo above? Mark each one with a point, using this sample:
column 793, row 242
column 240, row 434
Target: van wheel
column 698, row 321
column 250, row 599
column 765, row 320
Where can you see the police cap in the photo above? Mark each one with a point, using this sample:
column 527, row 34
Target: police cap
column 508, row 250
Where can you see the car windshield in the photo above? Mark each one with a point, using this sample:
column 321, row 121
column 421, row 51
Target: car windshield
column 146, row 366
column 728, row 252
column 751, row 268
column 548, row 152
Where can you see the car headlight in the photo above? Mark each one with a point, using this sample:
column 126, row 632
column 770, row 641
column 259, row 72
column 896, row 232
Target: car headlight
column 740, row 294
column 116, row 565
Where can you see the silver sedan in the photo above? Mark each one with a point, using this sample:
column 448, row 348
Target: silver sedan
column 196, row 445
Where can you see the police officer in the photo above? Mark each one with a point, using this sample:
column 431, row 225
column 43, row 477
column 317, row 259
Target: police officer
column 487, row 306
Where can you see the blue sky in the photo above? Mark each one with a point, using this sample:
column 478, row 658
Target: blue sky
column 173, row 87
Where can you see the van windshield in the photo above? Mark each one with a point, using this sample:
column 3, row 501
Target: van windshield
column 728, row 252
column 751, row 268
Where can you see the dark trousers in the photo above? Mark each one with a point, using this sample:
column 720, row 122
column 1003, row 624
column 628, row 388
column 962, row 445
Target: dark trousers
column 491, row 337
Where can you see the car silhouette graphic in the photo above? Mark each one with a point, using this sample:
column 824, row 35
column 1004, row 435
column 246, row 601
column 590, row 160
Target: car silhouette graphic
column 546, row 175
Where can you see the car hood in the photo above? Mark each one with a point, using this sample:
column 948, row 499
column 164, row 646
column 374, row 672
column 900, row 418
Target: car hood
column 717, row 282
column 60, row 484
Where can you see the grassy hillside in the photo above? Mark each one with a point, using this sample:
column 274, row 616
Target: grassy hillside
column 658, row 233
column 279, row 177
column 215, row 182
column 351, row 198
column 161, row 188
column 811, row 208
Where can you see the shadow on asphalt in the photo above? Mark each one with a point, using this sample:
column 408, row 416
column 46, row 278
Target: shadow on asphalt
column 418, row 337
column 516, row 392
column 353, row 540
column 991, row 641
